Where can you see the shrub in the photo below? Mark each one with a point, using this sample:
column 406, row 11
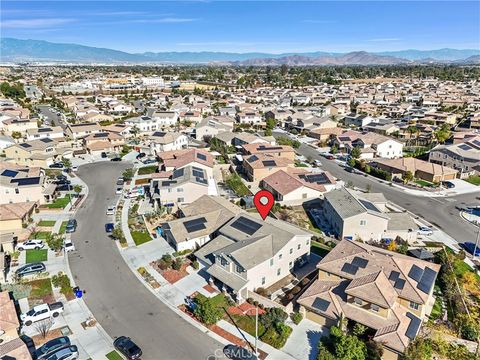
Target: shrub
column 195, row 265
column 250, row 300
column 62, row 281
column 206, row 312
column 55, row 242
column 277, row 337
column 273, row 317
column 296, row 318
column 177, row 264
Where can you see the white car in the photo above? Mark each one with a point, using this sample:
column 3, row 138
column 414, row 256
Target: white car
column 119, row 191
column 74, row 168
column 68, row 245
column 424, row 230
column 111, row 210
column 41, row 312
column 31, row 245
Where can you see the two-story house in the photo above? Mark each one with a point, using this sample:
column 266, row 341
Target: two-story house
column 389, row 293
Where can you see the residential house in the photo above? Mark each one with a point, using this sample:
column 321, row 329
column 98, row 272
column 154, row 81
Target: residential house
column 389, row 293
column 257, row 167
column 249, row 253
column 295, row 186
column 41, row 152
column 172, row 160
column 249, row 117
column 17, row 125
column 103, row 142
column 55, row 132
column 464, row 157
column 167, row 141
column 201, row 219
column 15, row 217
column 358, row 120
column 420, row 169
column 78, row 131
column 21, row 184
column 157, row 121
column 283, row 151
column 212, row 126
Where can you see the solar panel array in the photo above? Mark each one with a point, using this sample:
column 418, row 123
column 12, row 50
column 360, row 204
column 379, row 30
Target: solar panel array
column 246, row 226
column 399, row 284
column 9, row 173
column 201, row 156
column 427, row 280
column 316, row 178
column 100, row 135
column 177, row 173
column 25, row 145
column 415, row 273
column 41, row 130
column 393, row 275
column 368, row 205
column 465, row 147
column 269, row 163
column 46, row 140
column 321, row 304
column 195, row 225
column 413, row 327
column 349, row 268
column 253, row 158
column 27, row 181
column 360, row 262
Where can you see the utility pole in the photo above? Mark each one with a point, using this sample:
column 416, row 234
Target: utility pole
column 476, row 244
column 256, row 330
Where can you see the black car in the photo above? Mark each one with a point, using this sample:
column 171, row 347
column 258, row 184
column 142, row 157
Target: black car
column 56, row 166
column 103, row 155
column 149, row 161
column 127, row 347
column 62, row 177
column 64, row 187
column 62, row 182
column 141, row 155
column 71, row 226
column 50, row 346
column 29, row 269
column 235, row 352
column 116, row 159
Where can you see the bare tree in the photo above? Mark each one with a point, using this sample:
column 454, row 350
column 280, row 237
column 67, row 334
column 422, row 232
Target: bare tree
column 43, row 327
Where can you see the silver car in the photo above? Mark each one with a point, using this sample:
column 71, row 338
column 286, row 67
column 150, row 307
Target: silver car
column 65, row 353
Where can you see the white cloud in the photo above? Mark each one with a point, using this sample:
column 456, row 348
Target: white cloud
column 34, row 23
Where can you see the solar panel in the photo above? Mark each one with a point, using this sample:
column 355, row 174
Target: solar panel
column 98, row 135
column 177, row 173
column 476, row 142
column 253, row 158
column 44, row 130
column 27, row 181
column 349, row 268
column 9, row 173
column 399, row 284
column 369, row 206
column 415, row 273
column 360, row 262
column 427, row 280
column 159, row 134
column 393, row 275
column 413, row 327
column 201, row 156
column 168, row 183
column 195, row 225
column 25, row 145
column 246, row 226
column 269, row 163
column 317, row 178
column 321, row 304
column 465, row 147
column 46, row 140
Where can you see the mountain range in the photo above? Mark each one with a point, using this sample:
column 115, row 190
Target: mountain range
column 16, row 50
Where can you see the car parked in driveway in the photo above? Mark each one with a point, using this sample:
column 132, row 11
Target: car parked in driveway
column 470, row 248
column 30, row 269
column 51, row 346
column 42, row 312
column 65, row 353
column 119, row 191
column 31, row 245
column 68, row 245
column 56, row 166
column 425, row 231
column 127, row 347
column 448, row 184
column 71, row 226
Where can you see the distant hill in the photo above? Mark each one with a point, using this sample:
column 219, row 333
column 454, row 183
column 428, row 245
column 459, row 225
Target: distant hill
column 475, row 59
column 16, row 50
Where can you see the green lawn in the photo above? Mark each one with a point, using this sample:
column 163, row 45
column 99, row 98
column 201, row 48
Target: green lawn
column 36, row 255
column 140, row 237
column 423, row 183
column 319, row 249
column 437, row 309
column 474, row 179
column 47, row 223
column 40, row 289
column 59, row 203
column 300, row 164
column 113, row 355
column 147, row 170
column 42, row 235
column 63, row 227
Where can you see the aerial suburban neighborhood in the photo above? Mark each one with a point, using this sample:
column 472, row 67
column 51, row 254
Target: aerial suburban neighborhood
column 251, row 208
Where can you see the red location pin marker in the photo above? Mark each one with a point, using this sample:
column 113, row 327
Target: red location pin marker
column 263, row 201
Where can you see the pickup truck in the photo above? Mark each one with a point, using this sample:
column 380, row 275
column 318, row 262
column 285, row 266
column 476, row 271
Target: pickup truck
column 42, row 312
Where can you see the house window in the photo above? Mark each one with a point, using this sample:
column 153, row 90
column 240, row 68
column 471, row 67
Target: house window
column 17, row 191
column 263, row 280
column 307, row 242
column 358, row 301
column 169, row 190
column 291, row 251
column 278, row 271
column 223, row 262
column 271, row 262
column 179, row 189
column 299, row 246
column 239, row 268
column 414, row 305
column 374, row 307
column 280, row 257
column 290, row 264
column 363, row 222
column 180, row 200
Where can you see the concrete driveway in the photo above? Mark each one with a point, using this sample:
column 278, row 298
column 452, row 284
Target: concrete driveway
column 117, row 299
column 303, row 342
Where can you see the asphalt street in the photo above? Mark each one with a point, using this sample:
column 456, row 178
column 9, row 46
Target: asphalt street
column 117, row 299
column 439, row 211
column 51, row 116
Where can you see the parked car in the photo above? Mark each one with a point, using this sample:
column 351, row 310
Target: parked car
column 120, row 181
column 141, row 155
column 64, row 187
column 111, row 210
column 131, row 195
column 62, row 182
column 68, row 245
column 103, row 155
column 74, row 168
column 41, row 312
column 329, row 157
column 116, row 159
column 65, row 353
column 127, row 347
column 149, row 161
column 119, row 191
column 448, row 184
column 71, row 226
column 236, row 352
column 424, row 230
column 51, row 346
column 109, row 227
column 30, row 269
column 30, row 245
column 62, row 177
column 317, row 163
column 56, row 166
column 470, row 248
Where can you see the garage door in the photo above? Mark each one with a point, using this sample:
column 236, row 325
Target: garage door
column 320, row 319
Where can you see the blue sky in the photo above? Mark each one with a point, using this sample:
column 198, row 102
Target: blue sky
column 235, row 26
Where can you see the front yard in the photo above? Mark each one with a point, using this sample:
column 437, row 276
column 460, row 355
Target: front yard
column 41, row 292
column 46, row 223
column 33, row 256
column 42, row 235
column 113, row 355
column 59, row 203
column 474, row 179
column 140, row 237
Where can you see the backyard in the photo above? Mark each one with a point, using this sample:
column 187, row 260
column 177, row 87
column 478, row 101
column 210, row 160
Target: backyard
column 33, row 256
column 235, row 183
